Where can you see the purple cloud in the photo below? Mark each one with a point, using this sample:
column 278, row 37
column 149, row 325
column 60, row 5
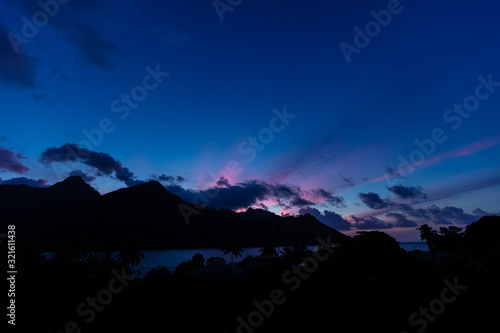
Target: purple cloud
column 410, row 192
column 243, row 195
column 329, row 218
column 374, row 201
column 370, row 222
column 401, row 221
column 10, row 161
column 104, row 163
column 25, row 181
column 441, row 216
column 321, row 194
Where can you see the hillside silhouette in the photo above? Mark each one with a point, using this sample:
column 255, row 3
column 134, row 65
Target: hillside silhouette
column 366, row 283
column 51, row 218
column 93, row 280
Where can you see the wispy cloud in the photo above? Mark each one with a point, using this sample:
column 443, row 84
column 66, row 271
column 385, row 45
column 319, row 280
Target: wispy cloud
column 94, row 48
column 16, row 68
column 467, row 150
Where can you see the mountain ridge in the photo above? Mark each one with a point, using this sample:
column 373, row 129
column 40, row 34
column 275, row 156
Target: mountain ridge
column 71, row 212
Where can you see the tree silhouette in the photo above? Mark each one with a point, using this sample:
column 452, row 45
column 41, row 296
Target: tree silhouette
column 268, row 251
column 198, row 259
column 278, row 236
column 216, row 260
column 296, row 253
column 158, row 273
column 482, row 244
column 130, row 255
column 431, row 237
column 450, row 239
column 287, row 252
column 187, row 266
column 233, row 248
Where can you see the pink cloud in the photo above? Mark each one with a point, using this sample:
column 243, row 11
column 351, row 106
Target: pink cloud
column 470, row 149
column 9, row 162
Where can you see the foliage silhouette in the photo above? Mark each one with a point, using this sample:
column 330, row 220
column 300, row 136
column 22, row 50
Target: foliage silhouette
column 187, row 266
column 130, row 255
column 233, row 248
column 366, row 283
column 268, row 251
column 216, row 260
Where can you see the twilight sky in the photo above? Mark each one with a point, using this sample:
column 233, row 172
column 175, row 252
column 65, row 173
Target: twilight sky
column 367, row 114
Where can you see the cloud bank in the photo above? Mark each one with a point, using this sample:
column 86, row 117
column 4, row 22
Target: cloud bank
column 374, row 201
column 410, row 192
column 102, row 163
column 25, row 181
column 250, row 193
column 16, row 68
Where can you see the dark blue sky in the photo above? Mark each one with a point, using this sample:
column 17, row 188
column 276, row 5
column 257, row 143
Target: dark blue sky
column 329, row 124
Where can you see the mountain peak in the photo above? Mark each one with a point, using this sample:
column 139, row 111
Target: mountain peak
column 257, row 213
column 153, row 183
column 150, row 187
column 75, row 186
column 151, row 190
column 74, row 180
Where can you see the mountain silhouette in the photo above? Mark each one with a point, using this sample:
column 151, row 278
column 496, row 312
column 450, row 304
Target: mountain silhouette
column 72, row 212
column 72, row 190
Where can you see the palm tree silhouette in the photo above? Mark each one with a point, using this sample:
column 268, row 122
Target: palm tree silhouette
column 278, row 236
column 431, row 237
column 295, row 253
column 130, row 255
column 268, row 251
column 233, row 248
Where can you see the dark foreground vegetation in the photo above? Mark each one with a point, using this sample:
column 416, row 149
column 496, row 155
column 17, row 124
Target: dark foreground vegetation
column 367, row 283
